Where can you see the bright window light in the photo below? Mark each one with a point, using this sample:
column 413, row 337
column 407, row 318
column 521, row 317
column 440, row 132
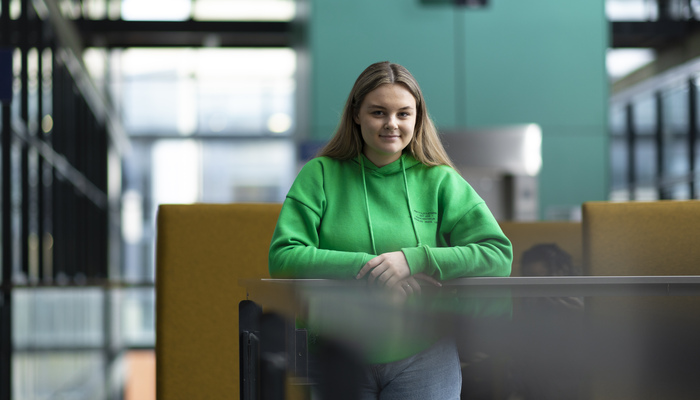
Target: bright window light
column 132, row 216
column 532, row 149
column 156, row 10
column 630, row 10
column 621, row 62
column 279, row 123
column 207, row 91
column 176, row 171
column 244, row 10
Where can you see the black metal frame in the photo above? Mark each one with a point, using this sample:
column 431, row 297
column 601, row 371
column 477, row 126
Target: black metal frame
column 630, row 136
column 675, row 20
column 271, row 348
column 57, row 187
column 64, row 206
column 663, row 181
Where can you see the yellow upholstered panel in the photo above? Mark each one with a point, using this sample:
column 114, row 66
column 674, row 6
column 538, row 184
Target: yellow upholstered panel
column 524, row 235
column 203, row 250
column 641, row 238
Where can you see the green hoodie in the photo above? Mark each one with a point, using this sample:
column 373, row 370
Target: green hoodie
column 340, row 214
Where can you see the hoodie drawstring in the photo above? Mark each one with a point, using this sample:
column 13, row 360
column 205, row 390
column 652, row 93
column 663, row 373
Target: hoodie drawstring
column 408, row 203
column 369, row 217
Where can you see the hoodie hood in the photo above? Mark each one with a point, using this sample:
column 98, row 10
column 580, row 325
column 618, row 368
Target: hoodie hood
column 394, row 168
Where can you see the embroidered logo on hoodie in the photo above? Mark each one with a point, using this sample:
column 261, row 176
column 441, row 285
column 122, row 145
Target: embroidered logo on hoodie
column 428, row 217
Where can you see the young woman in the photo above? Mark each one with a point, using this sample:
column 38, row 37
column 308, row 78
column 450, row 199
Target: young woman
column 382, row 202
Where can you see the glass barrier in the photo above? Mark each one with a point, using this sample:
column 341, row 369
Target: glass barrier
column 531, row 337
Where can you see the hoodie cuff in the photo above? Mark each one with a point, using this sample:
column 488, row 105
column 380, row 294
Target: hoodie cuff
column 418, row 261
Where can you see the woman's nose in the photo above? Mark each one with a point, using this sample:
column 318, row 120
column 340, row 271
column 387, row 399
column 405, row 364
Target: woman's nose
column 391, row 123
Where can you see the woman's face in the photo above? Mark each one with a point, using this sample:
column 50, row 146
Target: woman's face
column 387, row 118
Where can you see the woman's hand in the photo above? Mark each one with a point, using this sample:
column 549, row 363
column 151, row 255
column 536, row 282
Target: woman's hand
column 386, row 269
column 428, row 279
column 410, row 286
column 404, row 289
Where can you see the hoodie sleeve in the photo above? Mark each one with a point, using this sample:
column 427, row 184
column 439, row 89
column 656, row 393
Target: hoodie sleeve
column 472, row 242
column 294, row 250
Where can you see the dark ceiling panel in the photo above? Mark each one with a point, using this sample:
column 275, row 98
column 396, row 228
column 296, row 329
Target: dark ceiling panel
column 118, row 33
column 651, row 34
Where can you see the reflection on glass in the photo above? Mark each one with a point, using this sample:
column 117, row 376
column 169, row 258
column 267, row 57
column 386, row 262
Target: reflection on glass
column 675, row 130
column 645, row 115
column 618, row 152
column 680, row 192
column 675, row 108
column 250, row 171
column 58, row 334
column 59, row 375
column 645, row 160
column 138, row 316
column 207, row 91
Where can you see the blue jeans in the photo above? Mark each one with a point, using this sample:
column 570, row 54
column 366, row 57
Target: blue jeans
column 434, row 373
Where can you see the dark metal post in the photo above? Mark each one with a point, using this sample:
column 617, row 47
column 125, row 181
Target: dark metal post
column 58, row 210
column 5, row 193
column 692, row 134
column 249, row 315
column 6, row 295
column 40, row 191
column 631, row 140
column 24, row 147
column 663, row 8
column 660, row 146
column 273, row 357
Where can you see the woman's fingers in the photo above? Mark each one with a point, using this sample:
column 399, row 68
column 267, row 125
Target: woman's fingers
column 398, row 295
column 386, row 269
column 428, row 279
column 377, row 273
column 391, row 270
column 371, row 264
column 411, row 286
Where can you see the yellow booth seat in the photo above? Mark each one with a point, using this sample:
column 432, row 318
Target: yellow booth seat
column 643, row 239
column 203, row 250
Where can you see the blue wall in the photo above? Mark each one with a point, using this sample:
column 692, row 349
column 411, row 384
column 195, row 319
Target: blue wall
column 535, row 61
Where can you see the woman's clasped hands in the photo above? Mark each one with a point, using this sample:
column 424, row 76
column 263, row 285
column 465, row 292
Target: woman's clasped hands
column 390, row 270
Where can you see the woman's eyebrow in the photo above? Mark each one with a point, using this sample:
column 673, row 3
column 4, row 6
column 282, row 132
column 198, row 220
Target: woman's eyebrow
column 382, row 107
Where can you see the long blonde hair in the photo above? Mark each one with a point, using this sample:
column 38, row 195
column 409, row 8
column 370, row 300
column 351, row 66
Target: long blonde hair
column 347, row 141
